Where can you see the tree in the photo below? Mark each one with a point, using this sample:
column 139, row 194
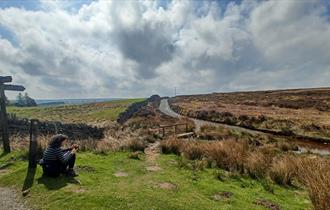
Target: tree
column 20, row 100
column 29, row 101
column 25, row 100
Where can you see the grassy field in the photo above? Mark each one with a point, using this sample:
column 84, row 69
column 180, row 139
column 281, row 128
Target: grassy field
column 302, row 111
column 85, row 113
column 172, row 187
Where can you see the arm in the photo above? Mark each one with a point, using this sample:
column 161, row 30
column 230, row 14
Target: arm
column 65, row 155
column 67, row 149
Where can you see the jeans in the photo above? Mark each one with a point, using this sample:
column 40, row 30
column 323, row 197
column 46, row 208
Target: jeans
column 55, row 168
column 69, row 164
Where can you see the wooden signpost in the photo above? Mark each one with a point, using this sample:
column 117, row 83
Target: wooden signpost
column 3, row 114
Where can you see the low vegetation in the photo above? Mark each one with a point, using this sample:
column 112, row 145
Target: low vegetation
column 302, row 112
column 261, row 163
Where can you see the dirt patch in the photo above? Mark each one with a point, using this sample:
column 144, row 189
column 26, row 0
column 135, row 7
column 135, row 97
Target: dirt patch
column 9, row 199
column 167, row 186
column 222, row 195
column 153, row 168
column 152, row 151
column 268, row 204
column 80, row 190
column 3, row 171
column 83, row 168
column 121, row 174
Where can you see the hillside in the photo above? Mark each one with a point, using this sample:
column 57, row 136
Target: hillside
column 299, row 111
column 85, row 113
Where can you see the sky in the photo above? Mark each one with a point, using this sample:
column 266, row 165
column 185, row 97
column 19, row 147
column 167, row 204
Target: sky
column 137, row 48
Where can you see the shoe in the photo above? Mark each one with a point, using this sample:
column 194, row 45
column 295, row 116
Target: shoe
column 71, row 173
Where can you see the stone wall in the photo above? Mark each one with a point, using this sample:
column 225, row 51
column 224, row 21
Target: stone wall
column 72, row 130
column 136, row 107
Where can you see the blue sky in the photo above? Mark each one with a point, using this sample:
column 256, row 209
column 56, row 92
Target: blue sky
column 134, row 48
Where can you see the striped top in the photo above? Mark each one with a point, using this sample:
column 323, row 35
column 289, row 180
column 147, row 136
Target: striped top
column 55, row 154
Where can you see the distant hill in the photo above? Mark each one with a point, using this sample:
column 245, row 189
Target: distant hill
column 50, row 102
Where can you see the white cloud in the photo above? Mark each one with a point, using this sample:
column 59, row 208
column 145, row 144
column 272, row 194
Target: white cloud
column 136, row 48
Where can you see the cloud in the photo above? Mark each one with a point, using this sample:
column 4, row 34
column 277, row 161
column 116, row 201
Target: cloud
column 139, row 48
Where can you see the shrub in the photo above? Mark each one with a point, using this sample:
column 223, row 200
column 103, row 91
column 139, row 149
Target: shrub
column 283, row 170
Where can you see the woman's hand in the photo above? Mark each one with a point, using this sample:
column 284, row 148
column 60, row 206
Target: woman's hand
column 74, row 151
column 74, row 146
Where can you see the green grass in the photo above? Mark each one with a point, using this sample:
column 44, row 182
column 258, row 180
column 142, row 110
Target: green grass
column 100, row 189
column 94, row 112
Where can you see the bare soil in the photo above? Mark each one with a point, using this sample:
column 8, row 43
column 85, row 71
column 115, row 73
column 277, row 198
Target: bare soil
column 121, row 174
column 167, row 186
column 9, row 200
column 267, row 204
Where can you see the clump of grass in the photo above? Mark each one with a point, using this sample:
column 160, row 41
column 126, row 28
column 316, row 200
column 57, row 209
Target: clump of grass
column 283, row 170
column 257, row 164
column 229, row 154
column 193, row 151
column 136, row 144
column 171, row 145
column 104, row 146
column 87, row 145
column 315, row 173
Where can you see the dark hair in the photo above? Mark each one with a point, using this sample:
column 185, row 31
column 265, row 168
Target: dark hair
column 57, row 140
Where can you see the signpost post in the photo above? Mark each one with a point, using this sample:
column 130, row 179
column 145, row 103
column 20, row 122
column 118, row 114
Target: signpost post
column 3, row 114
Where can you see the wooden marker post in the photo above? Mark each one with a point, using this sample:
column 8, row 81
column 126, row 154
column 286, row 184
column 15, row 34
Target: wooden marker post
column 33, row 144
column 3, row 114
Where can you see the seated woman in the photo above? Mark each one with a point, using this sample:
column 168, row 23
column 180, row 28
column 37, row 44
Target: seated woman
column 56, row 160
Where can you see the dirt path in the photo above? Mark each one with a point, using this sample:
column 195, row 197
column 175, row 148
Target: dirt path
column 9, row 200
column 165, row 108
column 152, row 152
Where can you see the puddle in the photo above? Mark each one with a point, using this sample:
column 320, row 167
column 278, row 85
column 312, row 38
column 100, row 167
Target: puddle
column 316, row 151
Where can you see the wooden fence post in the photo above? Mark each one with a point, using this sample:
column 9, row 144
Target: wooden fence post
column 33, row 144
